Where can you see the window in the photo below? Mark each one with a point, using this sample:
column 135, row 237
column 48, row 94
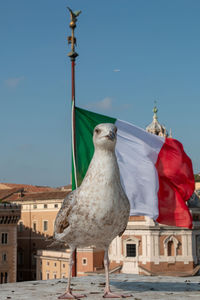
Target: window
column 54, row 275
column 4, row 257
column 131, row 250
column 34, row 226
column 20, row 228
column 170, row 248
column 47, row 263
column 47, row 276
column 34, row 206
column 171, row 245
column 56, row 205
column 4, row 277
column 84, row 261
column 4, row 238
column 63, row 265
column 45, row 225
column 45, row 205
column 1, row 280
column 54, row 264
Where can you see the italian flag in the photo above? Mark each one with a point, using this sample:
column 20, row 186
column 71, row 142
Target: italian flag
column 156, row 173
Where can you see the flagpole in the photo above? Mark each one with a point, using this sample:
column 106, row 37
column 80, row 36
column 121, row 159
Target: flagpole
column 73, row 54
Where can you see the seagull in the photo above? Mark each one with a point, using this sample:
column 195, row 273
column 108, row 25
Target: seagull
column 97, row 211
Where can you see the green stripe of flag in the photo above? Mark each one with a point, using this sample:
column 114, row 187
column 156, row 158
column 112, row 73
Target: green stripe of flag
column 85, row 123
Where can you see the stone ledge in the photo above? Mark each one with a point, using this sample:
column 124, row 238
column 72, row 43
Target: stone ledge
column 141, row 287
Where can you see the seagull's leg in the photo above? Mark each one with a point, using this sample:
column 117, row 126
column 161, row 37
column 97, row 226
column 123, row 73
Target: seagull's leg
column 107, row 291
column 68, row 293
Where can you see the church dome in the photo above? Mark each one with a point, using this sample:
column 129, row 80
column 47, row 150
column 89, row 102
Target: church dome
column 155, row 127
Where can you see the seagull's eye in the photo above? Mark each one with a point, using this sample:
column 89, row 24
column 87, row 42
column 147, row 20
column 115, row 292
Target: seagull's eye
column 97, row 130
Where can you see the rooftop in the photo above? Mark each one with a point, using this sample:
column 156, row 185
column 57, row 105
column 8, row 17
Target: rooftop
column 43, row 196
column 141, row 287
column 19, row 195
column 6, row 193
column 26, row 187
column 19, row 192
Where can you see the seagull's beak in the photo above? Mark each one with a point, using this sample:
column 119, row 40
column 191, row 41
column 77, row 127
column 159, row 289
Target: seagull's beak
column 111, row 136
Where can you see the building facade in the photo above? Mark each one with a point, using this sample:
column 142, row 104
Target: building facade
column 147, row 247
column 53, row 264
column 35, row 226
column 9, row 217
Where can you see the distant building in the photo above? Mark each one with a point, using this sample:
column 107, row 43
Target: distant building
column 9, row 217
column 152, row 249
column 38, row 212
column 52, row 264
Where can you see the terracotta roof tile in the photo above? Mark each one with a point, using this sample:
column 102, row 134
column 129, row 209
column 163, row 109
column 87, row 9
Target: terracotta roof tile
column 24, row 192
column 7, row 193
column 39, row 196
column 27, row 187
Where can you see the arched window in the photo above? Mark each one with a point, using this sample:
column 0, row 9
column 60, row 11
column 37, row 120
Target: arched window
column 170, row 246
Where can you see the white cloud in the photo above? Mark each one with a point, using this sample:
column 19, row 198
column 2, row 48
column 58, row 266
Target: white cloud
column 13, row 82
column 104, row 104
column 116, row 70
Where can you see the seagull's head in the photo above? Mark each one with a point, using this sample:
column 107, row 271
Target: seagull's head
column 105, row 136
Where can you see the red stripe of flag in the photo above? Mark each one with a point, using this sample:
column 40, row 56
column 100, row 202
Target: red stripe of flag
column 176, row 184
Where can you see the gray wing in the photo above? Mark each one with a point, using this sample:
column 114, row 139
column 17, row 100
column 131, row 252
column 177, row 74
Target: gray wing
column 63, row 217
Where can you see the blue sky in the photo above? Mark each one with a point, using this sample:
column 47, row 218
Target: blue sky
column 131, row 53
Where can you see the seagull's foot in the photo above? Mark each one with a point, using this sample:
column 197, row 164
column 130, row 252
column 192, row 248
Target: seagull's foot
column 109, row 294
column 69, row 295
